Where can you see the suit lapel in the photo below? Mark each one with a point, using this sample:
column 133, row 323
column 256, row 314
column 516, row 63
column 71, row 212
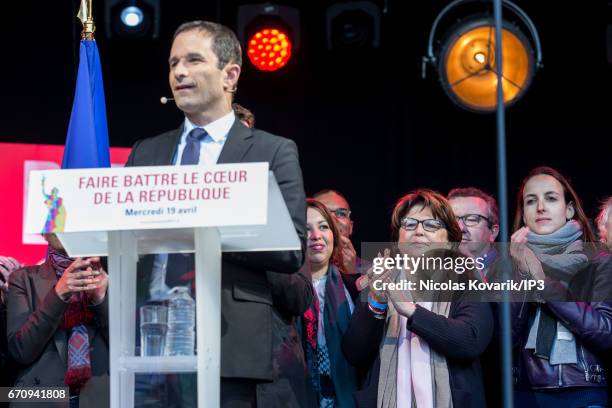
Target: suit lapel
column 60, row 337
column 43, row 284
column 239, row 141
column 167, row 148
column 44, row 281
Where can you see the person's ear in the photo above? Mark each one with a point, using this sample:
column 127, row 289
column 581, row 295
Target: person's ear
column 494, row 232
column 231, row 73
column 570, row 211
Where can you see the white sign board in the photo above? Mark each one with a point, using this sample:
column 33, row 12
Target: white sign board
column 153, row 197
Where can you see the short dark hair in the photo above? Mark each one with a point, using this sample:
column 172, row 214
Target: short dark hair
column 330, row 191
column 244, row 114
column 440, row 209
column 225, row 44
column 476, row 192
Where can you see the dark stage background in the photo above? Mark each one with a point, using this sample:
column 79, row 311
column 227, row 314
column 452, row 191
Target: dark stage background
column 365, row 122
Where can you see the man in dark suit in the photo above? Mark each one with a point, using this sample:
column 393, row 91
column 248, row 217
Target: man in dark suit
column 205, row 62
column 478, row 217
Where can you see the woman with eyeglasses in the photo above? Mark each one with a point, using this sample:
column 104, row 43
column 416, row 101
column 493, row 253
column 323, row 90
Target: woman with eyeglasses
column 558, row 361
column 325, row 322
column 421, row 353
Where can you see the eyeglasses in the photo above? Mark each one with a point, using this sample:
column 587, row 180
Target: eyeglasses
column 341, row 212
column 429, row 225
column 472, row 220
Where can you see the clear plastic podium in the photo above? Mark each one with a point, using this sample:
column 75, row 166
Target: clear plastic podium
column 123, row 248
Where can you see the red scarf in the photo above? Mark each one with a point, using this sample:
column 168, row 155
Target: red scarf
column 76, row 317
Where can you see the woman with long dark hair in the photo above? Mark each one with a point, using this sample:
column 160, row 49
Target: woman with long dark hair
column 558, row 360
column 326, row 321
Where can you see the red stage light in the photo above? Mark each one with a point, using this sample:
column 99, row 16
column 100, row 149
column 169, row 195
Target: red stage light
column 269, row 49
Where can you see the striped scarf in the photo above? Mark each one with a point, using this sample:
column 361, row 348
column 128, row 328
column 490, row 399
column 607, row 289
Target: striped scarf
column 76, row 316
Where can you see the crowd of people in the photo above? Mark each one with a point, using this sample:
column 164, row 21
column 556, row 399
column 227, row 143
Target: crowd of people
column 314, row 327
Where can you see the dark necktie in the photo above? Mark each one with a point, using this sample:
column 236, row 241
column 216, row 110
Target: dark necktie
column 180, row 264
column 191, row 153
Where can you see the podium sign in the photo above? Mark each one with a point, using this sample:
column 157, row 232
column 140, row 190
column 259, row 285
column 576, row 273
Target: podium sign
column 123, row 212
column 154, row 197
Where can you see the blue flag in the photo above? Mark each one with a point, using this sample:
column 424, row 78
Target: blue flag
column 87, row 139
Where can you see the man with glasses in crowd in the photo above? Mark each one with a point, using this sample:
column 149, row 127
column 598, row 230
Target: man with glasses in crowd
column 478, row 217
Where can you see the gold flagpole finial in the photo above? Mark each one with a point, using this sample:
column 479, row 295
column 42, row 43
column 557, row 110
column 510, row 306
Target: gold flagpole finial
column 86, row 17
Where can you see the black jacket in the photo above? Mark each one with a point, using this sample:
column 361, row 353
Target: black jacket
column 292, row 294
column 8, row 367
column 39, row 344
column 588, row 315
column 246, row 295
column 462, row 338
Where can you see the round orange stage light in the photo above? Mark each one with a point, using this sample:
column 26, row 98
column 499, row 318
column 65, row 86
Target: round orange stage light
column 469, row 71
column 269, row 49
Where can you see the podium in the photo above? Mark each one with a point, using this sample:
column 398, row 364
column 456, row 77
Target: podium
column 267, row 226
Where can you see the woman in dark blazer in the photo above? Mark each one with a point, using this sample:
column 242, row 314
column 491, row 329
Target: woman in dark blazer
column 57, row 327
column 451, row 335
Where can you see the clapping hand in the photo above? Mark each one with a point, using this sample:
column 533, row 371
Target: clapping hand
column 376, row 281
column 528, row 263
column 349, row 256
column 401, row 303
column 83, row 275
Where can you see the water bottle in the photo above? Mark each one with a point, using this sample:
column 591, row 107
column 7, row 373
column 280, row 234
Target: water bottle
column 180, row 339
